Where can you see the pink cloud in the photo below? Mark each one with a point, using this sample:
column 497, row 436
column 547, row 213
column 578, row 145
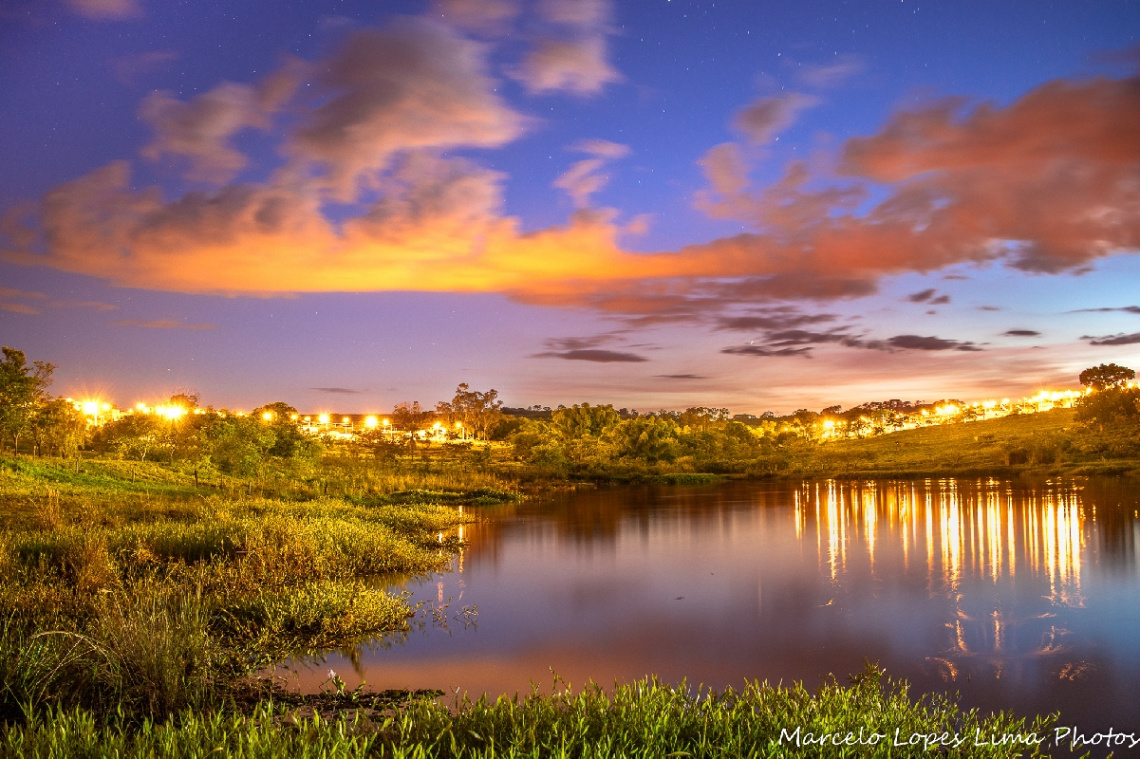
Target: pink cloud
column 763, row 120
column 200, row 130
column 488, row 16
column 577, row 66
column 571, row 55
column 415, row 84
column 583, row 179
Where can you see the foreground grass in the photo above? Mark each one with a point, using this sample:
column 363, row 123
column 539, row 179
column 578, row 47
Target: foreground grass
column 642, row 719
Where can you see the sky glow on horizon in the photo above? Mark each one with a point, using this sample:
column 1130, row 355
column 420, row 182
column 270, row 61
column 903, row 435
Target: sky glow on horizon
column 347, row 205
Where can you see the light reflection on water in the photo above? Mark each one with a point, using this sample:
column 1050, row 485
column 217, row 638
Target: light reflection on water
column 1017, row 595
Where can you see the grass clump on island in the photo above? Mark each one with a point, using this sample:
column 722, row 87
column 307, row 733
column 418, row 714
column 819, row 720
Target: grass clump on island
column 641, row 719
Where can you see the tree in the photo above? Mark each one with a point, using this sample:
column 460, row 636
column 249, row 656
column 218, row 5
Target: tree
column 478, row 411
column 702, row 417
column 584, row 420
column 648, row 438
column 23, row 389
column 134, row 436
column 240, row 444
column 1111, row 408
column 410, row 418
column 1106, row 376
column 57, row 428
column 289, row 441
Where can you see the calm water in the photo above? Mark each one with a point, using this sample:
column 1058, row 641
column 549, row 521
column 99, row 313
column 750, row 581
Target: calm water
column 1017, row 595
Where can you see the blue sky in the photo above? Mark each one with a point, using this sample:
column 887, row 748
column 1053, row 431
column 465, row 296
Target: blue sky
column 346, row 205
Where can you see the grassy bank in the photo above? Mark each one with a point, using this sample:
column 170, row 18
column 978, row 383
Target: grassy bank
column 1052, row 442
column 644, row 719
column 123, row 585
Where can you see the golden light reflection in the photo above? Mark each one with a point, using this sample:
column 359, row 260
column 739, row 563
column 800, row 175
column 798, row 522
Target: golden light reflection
column 965, row 530
column 969, row 532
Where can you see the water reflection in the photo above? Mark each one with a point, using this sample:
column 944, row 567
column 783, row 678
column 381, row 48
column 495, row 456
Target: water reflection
column 967, row 540
column 957, row 532
column 1016, row 595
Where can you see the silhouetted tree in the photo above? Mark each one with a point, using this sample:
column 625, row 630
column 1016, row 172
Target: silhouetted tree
column 411, row 418
column 1105, row 376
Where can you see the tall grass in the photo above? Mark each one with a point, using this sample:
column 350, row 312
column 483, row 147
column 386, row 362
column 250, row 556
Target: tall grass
column 123, row 589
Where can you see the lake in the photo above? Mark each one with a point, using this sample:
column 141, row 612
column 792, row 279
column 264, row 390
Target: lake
column 1016, row 594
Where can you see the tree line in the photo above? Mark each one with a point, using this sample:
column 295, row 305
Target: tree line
column 581, row 438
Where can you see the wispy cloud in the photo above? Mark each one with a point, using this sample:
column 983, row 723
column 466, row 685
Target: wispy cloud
column 596, row 355
column 336, row 390
column 107, row 9
column 161, row 324
column 585, row 177
column 773, row 319
column 18, row 308
column 760, row 350
column 930, row 343
column 94, row 305
column 1124, row 309
column 930, row 297
column 833, row 74
column 790, row 342
column 1021, row 333
column 1120, row 339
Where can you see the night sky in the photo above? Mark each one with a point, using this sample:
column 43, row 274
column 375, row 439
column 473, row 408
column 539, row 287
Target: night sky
column 653, row 203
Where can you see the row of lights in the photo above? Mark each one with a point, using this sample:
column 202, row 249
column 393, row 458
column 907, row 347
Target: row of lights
column 94, row 408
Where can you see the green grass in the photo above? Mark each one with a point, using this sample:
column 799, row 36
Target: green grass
column 642, row 719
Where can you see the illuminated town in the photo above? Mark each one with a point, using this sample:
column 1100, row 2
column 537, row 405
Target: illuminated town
column 892, row 416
